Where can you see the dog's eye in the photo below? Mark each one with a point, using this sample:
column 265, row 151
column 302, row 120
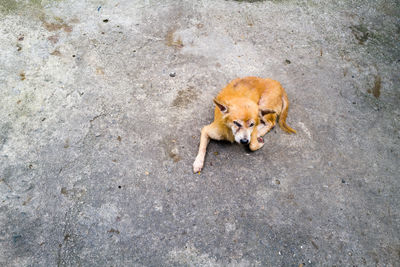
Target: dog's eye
column 237, row 124
column 251, row 124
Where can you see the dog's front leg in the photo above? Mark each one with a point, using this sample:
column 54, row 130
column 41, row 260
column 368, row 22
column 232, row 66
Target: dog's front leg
column 254, row 143
column 204, row 140
column 208, row 132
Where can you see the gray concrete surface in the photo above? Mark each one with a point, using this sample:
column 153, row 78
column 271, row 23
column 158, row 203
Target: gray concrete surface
column 97, row 140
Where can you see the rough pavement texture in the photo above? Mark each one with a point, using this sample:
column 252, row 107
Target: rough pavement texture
column 97, row 140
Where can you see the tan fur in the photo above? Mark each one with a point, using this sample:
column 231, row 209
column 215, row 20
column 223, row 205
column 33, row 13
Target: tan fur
column 247, row 101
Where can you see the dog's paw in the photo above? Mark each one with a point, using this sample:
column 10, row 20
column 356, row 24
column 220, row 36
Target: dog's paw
column 197, row 166
column 256, row 146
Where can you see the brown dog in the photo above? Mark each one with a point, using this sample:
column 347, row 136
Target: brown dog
column 246, row 109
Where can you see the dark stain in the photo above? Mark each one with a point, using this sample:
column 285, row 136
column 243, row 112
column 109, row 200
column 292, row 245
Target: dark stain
column 55, row 53
column 16, row 237
column 114, row 231
column 27, row 201
column 119, row 138
column 19, row 101
column 376, row 90
column 287, row 62
column 314, row 245
column 170, row 41
column 53, row 38
column 22, row 75
column 174, row 156
column 66, row 145
column 66, row 237
column 56, row 26
column 67, row 28
column 360, row 32
column 64, row 191
column 19, row 47
column 185, row 97
column 249, row 21
column 105, row 20
column 171, row 148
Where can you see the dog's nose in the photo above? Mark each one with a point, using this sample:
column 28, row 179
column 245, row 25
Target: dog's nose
column 244, row 141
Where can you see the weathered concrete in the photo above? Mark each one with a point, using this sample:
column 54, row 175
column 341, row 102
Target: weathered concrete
column 97, row 140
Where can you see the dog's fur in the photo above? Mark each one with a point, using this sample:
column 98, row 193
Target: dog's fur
column 246, row 109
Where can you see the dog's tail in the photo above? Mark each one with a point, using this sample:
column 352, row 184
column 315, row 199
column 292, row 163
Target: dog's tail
column 283, row 115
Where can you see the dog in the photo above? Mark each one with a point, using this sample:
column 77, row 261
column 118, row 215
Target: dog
column 245, row 110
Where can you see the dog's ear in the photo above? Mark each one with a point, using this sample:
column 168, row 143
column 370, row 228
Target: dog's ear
column 266, row 111
column 223, row 108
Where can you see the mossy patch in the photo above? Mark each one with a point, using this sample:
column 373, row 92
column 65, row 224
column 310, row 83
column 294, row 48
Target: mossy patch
column 13, row 6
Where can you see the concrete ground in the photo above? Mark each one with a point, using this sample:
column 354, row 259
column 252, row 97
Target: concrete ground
column 97, row 140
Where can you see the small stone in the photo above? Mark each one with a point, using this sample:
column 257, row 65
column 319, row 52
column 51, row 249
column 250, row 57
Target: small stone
column 277, row 182
column 146, row 172
column 343, row 181
column 287, row 61
column 172, row 74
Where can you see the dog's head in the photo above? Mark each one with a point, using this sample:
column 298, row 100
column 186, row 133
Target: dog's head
column 241, row 115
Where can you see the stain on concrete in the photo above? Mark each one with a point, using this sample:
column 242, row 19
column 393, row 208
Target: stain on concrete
column 66, row 144
column 27, row 201
column 64, row 191
column 376, row 90
column 55, row 53
column 4, row 132
column 170, row 146
column 170, row 40
column 185, row 97
column 100, row 71
column 51, row 26
column 53, row 38
column 360, row 32
column 22, row 75
column 113, row 231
